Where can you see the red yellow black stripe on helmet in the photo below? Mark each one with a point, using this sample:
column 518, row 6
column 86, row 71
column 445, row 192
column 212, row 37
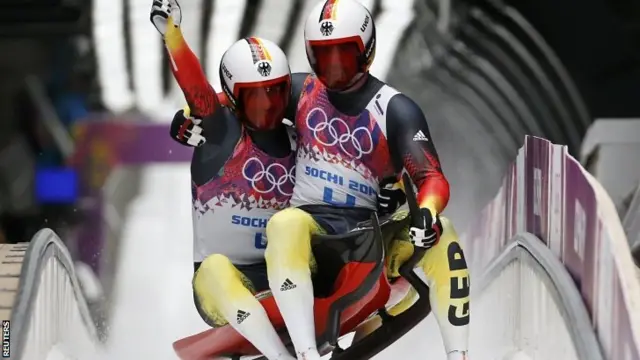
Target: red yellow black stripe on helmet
column 259, row 52
column 329, row 10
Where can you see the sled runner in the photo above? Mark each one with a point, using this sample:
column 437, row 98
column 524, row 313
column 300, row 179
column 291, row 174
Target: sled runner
column 349, row 287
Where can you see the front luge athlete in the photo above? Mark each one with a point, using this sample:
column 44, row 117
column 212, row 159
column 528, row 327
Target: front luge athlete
column 354, row 130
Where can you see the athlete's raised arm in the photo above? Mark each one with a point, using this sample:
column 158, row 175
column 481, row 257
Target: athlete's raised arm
column 412, row 148
column 200, row 95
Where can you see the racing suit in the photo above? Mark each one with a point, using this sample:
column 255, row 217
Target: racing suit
column 240, row 178
column 347, row 142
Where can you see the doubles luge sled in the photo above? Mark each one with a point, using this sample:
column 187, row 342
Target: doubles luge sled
column 349, row 287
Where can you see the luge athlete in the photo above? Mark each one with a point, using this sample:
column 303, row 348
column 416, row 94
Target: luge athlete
column 352, row 131
column 242, row 172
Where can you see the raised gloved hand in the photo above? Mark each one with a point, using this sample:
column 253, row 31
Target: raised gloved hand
column 162, row 11
column 186, row 129
column 429, row 232
column 390, row 196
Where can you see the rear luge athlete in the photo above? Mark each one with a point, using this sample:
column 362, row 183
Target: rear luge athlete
column 242, row 172
column 353, row 130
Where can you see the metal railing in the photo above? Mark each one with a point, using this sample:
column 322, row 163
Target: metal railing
column 29, row 321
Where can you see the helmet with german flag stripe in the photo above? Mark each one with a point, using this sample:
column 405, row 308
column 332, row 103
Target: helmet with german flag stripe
column 256, row 78
column 340, row 39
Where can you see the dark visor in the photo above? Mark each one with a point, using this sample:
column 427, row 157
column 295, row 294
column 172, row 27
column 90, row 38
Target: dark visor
column 336, row 62
column 263, row 104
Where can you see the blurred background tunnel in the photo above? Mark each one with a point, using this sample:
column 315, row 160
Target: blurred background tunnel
column 86, row 95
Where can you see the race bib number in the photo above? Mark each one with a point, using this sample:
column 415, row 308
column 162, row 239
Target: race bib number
column 260, row 223
column 339, row 191
column 260, row 241
column 327, row 197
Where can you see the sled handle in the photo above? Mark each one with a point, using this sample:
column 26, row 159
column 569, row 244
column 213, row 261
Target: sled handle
column 416, row 221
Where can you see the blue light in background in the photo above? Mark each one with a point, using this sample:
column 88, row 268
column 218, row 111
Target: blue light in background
column 56, row 185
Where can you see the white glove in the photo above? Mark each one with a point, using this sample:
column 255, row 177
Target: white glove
column 161, row 11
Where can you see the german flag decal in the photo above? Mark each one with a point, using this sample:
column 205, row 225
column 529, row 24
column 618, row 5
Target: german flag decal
column 329, row 10
column 258, row 51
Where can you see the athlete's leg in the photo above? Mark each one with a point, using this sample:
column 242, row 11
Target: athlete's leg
column 448, row 278
column 225, row 295
column 447, row 275
column 289, row 262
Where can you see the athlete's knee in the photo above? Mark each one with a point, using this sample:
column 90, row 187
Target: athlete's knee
column 289, row 228
column 219, row 281
column 216, row 263
column 215, row 272
column 289, row 239
column 288, row 225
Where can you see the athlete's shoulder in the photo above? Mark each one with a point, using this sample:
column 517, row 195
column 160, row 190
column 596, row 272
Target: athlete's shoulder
column 402, row 108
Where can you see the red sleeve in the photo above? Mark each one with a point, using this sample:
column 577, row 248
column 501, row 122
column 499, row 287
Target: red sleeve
column 426, row 173
column 186, row 68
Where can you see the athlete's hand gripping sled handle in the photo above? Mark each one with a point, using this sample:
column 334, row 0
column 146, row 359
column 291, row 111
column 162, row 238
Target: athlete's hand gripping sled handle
column 406, row 269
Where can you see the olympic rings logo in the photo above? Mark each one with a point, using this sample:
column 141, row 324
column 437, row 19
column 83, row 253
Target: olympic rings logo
column 337, row 131
column 272, row 177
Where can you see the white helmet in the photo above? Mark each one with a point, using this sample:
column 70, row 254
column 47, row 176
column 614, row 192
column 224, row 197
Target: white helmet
column 255, row 76
column 340, row 39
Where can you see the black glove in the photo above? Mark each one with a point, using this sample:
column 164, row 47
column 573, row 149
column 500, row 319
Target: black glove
column 429, row 233
column 185, row 129
column 390, row 198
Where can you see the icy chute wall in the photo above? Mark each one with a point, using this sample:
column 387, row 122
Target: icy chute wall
column 552, row 275
column 547, row 193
